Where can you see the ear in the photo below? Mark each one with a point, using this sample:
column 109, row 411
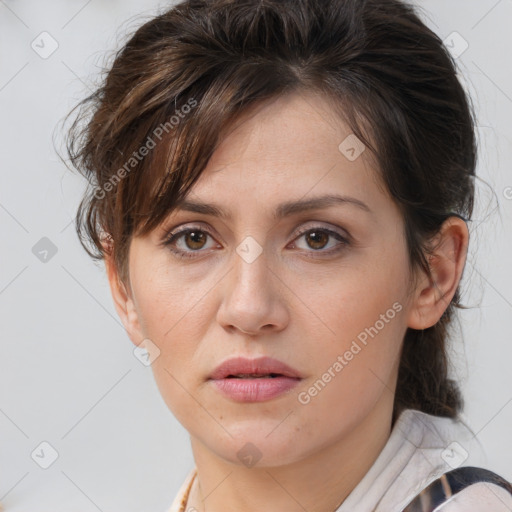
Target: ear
column 433, row 296
column 123, row 302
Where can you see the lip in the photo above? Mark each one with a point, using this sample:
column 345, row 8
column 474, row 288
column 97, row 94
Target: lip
column 252, row 388
column 259, row 366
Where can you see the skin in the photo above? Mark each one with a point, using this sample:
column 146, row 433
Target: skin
column 291, row 303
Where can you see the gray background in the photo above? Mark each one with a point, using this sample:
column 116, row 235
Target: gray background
column 68, row 373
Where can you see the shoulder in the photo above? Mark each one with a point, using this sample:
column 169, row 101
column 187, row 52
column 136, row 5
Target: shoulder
column 479, row 497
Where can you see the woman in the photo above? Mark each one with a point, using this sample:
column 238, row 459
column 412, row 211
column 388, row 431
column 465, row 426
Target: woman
column 280, row 191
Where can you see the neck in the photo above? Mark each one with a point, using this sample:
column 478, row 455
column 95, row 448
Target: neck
column 316, row 483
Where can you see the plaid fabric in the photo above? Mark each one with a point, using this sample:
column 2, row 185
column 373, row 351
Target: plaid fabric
column 452, row 482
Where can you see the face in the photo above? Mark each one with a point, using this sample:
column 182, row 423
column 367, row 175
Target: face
column 323, row 290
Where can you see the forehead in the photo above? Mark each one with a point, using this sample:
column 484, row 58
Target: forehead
column 291, row 147
column 299, row 126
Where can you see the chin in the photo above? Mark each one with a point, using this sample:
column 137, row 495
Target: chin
column 257, row 444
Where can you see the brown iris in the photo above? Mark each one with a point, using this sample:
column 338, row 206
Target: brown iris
column 320, row 236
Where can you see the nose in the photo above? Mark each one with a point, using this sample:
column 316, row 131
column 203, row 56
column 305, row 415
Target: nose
column 252, row 298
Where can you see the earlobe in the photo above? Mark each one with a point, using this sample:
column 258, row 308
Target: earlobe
column 433, row 296
column 123, row 302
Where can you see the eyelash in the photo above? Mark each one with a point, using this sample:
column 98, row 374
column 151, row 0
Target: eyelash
column 175, row 235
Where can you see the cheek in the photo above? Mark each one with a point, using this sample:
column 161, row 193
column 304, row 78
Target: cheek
column 347, row 302
column 175, row 318
column 353, row 373
column 362, row 321
column 168, row 302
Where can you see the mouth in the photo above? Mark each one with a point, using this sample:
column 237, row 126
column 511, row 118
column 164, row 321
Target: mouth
column 262, row 367
column 255, row 376
column 254, row 380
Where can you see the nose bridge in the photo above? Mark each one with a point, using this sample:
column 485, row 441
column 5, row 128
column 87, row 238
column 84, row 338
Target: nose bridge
column 251, row 276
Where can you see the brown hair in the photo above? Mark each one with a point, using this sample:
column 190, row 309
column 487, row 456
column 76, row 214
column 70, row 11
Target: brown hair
column 187, row 74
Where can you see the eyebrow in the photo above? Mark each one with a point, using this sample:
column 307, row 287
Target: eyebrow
column 282, row 210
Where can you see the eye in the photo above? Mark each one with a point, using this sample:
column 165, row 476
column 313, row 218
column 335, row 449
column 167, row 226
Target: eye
column 317, row 238
column 184, row 242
